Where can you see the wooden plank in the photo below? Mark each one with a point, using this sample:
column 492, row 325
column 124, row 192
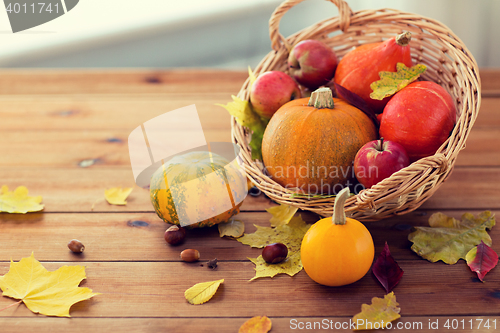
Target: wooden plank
column 106, row 235
column 423, row 324
column 490, row 81
column 125, row 81
column 482, row 148
column 105, row 112
column 130, row 81
column 156, row 289
column 78, row 189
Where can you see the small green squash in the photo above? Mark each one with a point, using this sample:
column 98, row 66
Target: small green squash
column 197, row 189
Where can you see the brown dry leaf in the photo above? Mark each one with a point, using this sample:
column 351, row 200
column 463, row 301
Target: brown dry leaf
column 48, row 293
column 379, row 314
column 282, row 214
column 259, row 324
column 19, row 201
column 450, row 240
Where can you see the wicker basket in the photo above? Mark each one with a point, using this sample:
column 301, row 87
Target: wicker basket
column 449, row 63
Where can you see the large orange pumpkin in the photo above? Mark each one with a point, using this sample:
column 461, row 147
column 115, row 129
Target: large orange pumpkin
column 310, row 144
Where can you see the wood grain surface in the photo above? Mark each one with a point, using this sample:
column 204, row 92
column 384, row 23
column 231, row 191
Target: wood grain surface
column 51, row 121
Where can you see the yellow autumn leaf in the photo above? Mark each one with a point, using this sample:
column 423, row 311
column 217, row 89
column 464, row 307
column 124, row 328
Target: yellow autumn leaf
column 117, row 195
column 377, row 315
column 233, row 228
column 202, row 292
column 48, row 293
column 282, row 214
column 290, row 234
column 449, row 239
column 291, row 266
column 259, row 324
column 252, row 77
column 392, row 82
column 19, row 201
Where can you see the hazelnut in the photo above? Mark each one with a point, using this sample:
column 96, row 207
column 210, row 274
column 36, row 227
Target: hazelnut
column 275, row 253
column 76, row 246
column 175, row 235
column 190, row 255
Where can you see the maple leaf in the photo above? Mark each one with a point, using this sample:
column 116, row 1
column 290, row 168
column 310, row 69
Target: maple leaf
column 48, row 293
column 377, row 315
column 290, row 234
column 387, row 270
column 202, row 292
column 259, row 324
column 117, row 195
column 392, row 82
column 291, row 266
column 233, row 228
column 282, row 214
column 246, row 116
column 19, row 201
column 481, row 259
column 455, row 240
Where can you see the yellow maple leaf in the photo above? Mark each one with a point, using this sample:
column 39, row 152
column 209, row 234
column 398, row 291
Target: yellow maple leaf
column 259, row 324
column 448, row 239
column 282, row 214
column 392, row 82
column 290, row 234
column 19, row 201
column 48, row 293
column 117, row 195
column 202, row 292
column 233, row 228
column 377, row 315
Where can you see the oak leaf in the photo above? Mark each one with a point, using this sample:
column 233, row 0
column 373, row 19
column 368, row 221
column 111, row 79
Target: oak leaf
column 233, row 228
column 481, row 259
column 48, row 293
column 202, row 292
column 452, row 242
column 392, row 82
column 379, row 314
column 117, row 195
column 282, row 214
column 259, row 324
column 290, row 234
column 19, row 201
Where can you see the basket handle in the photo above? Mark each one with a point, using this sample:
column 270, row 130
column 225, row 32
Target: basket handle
column 277, row 39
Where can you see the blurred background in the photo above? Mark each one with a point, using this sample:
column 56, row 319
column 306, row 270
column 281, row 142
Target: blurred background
column 230, row 34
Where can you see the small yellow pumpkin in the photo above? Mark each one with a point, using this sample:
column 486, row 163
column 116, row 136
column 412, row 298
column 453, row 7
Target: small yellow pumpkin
column 337, row 250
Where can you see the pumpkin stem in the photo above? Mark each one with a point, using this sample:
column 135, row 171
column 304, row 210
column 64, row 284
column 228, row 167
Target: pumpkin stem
column 403, row 39
column 321, row 98
column 338, row 208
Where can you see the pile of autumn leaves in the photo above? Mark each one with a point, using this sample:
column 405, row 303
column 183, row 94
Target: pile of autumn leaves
column 446, row 239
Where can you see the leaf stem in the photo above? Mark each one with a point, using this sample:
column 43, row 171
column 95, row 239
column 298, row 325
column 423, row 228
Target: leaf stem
column 8, row 306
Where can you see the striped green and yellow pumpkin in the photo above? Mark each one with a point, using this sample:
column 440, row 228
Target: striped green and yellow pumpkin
column 197, row 189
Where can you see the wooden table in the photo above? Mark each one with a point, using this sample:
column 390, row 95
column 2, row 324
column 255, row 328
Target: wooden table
column 51, row 121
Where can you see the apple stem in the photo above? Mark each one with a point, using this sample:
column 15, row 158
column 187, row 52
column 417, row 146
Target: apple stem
column 381, row 144
column 339, row 217
column 403, row 39
column 321, row 98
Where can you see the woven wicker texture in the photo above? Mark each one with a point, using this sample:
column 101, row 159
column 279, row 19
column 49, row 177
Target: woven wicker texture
column 449, row 63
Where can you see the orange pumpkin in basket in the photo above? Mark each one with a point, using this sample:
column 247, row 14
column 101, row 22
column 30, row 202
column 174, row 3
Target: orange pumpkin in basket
column 310, row 144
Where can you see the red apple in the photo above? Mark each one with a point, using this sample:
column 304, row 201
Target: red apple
column 270, row 91
column 312, row 63
column 420, row 117
column 377, row 160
